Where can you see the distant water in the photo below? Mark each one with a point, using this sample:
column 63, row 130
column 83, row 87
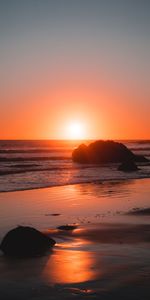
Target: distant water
column 37, row 164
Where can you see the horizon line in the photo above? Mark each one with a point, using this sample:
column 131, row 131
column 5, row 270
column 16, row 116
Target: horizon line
column 75, row 140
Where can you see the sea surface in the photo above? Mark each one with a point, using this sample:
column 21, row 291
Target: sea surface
column 45, row 163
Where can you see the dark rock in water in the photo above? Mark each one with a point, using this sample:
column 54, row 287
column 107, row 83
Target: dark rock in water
column 81, row 154
column 67, row 227
column 141, row 158
column 25, row 242
column 128, row 166
column 104, row 152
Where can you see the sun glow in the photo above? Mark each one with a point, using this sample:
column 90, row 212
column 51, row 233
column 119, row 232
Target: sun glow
column 75, row 130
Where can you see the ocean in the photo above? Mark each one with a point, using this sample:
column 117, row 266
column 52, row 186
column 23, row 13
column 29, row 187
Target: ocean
column 44, row 163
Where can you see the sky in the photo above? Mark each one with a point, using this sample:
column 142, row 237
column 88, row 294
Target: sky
column 67, row 62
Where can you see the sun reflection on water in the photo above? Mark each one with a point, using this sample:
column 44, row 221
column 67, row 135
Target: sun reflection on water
column 69, row 266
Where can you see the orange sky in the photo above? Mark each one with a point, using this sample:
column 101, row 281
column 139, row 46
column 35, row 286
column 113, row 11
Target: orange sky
column 46, row 114
column 85, row 62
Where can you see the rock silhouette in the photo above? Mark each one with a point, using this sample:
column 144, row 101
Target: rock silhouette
column 25, row 242
column 67, row 227
column 128, row 166
column 105, row 152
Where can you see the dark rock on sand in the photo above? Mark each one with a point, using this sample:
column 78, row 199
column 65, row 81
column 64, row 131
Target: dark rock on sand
column 25, row 242
column 104, row 152
column 67, row 227
column 53, row 215
column 139, row 211
column 128, row 166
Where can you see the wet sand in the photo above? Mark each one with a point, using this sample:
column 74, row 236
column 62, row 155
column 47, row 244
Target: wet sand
column 106, row 257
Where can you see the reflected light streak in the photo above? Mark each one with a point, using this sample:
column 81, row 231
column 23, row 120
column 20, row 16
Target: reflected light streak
column 68, row 266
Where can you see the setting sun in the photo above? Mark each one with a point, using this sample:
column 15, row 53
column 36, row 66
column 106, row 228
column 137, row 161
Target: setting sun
column 75, row 130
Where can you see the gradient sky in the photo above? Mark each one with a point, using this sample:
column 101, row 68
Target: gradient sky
column 66, row 60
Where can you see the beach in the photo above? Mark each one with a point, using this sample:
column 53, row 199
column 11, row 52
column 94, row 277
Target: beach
column 74, row 150
column 106, row 256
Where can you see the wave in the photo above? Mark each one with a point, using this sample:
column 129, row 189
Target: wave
column 32, row 158
column 32, row 168
column 140, row 148
column 17, row 151
column 11, row 172
column 143, row 142
column 74, row 182
column 21, row 151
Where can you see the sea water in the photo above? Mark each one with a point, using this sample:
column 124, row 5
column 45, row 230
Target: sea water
column 45, row 163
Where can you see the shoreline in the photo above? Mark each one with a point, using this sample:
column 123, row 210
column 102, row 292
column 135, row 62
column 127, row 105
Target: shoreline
column 77, row 203
column 79, row 183
column 106, row 257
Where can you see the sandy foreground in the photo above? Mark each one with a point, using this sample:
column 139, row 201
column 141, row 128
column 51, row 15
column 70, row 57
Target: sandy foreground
column 106, row 257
